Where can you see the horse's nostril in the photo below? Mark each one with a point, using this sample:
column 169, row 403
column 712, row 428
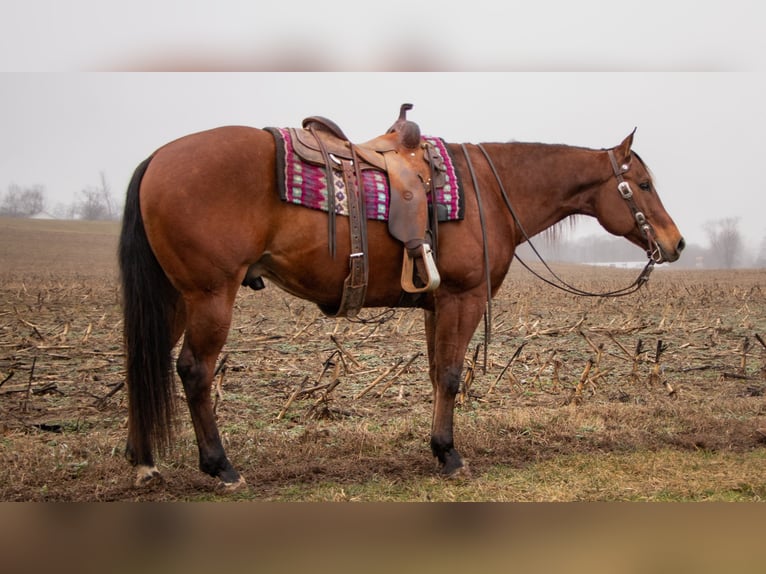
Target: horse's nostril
column 681, row 245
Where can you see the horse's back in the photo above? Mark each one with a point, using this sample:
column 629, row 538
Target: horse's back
column 202, row 156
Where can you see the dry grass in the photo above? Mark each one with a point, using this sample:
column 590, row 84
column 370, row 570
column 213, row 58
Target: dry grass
column 691, row 427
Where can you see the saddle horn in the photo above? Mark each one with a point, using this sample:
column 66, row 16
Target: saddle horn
column 403, row 111
column 408, row 131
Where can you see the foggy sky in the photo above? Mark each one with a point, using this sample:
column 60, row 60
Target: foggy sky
column 695, row 89
column 699, row 132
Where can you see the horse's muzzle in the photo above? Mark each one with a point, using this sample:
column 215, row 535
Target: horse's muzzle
column 670, row 255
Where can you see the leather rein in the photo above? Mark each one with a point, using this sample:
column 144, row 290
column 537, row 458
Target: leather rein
column 653, row 252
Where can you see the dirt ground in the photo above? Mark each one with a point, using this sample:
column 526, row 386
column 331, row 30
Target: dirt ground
column 312, row 408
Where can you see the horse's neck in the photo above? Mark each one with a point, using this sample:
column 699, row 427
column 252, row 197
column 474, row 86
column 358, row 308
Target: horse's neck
column 547, row 183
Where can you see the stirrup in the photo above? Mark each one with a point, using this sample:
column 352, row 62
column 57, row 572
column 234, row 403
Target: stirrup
column 408, row 270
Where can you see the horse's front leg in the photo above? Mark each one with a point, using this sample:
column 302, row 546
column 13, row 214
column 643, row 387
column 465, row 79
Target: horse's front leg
column 448, row 330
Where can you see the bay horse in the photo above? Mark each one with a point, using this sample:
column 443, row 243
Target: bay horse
column 204, row 210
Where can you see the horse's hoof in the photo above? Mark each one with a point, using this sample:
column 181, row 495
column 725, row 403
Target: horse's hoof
column 230, row 487
column 147, row 475
column 463, row 471
column 453, row 464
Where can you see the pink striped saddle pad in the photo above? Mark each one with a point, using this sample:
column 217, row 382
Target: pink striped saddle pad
column 305, row 184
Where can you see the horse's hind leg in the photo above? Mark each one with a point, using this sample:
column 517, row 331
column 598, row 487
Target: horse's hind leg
column 208, row 317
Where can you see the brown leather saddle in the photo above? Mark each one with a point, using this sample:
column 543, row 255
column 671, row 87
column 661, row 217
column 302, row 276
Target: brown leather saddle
column 409, row 163
column 414, row 168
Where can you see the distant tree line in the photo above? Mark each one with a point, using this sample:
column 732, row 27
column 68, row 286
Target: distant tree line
column 91, row 203
column 23, row 201
column 726, row 245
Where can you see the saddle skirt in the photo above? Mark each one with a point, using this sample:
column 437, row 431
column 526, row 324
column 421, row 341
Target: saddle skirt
column 304, row 182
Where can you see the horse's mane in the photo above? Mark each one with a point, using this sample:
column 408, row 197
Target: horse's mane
column 560, row 229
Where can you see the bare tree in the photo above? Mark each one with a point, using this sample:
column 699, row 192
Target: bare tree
column 761, row 260
column 23, row 201
column 725, row 241
column 96, row 202
column 106, row 197
column 90, row 205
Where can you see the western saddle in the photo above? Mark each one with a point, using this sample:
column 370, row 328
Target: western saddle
column 411, row 165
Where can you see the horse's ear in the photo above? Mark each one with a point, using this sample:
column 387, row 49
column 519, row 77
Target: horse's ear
column 623, row 150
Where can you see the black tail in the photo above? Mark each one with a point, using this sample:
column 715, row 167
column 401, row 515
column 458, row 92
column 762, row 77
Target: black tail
column 148, row 300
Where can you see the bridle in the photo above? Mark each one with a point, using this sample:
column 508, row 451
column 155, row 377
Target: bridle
column 623, row 187
column 653, row 249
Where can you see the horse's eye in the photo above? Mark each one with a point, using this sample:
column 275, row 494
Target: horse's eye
column 646, row 186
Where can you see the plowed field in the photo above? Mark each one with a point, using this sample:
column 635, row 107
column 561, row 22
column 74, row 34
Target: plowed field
column 587, row 409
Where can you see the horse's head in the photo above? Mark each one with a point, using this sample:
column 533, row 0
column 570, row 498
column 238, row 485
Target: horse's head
column 627, row 204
